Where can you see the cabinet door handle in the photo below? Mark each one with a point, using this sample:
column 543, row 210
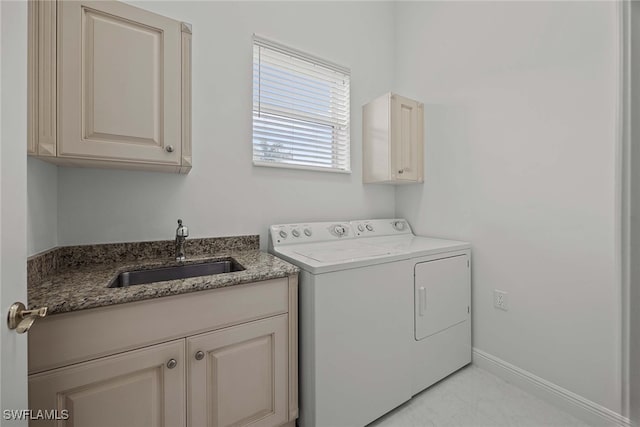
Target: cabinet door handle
column 199, row 355
column 422, row 295
column 169, row 148
column 172, row 363
column 21, row 319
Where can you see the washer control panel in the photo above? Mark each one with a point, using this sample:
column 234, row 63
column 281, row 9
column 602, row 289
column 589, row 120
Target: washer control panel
column 311, row 232
column 380, row 227
column 283, row 234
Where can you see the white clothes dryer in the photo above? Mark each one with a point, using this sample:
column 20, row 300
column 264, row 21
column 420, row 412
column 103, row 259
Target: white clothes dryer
column 441, row 280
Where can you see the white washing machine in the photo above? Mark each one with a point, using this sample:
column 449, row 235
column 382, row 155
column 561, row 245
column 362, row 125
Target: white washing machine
column 354, row 324
column 366, row 343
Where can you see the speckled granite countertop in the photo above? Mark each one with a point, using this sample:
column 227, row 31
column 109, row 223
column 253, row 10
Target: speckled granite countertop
column 77, row 277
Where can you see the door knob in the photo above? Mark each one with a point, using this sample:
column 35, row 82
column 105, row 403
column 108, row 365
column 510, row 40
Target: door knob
column 21, row 319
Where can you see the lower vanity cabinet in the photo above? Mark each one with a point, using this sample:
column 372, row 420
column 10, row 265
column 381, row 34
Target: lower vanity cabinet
column 237, row 369
column 143, row 387
column 238, row 376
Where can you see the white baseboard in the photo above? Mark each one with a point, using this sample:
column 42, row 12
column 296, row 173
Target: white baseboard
column 584, row 409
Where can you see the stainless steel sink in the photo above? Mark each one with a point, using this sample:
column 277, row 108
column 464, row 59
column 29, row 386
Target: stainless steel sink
column 141, row 277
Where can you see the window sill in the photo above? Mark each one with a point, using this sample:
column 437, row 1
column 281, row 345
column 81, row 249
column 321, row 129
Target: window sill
column 300, row 167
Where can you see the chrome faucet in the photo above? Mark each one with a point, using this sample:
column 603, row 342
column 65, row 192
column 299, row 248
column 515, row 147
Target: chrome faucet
column 181, row 235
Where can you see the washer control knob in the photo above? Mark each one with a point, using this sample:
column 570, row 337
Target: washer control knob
column 283, row 234
column 369, row 227
column 399, row 225
column 295, row 232
column 307, row 232
column 360, row 227
column 339, row 230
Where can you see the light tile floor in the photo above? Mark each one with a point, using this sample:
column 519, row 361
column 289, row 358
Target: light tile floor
column 473, row 397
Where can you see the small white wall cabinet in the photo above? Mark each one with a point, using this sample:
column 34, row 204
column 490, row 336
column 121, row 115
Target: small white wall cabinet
column 393, row 141
column 230, row 360
column 109, row 86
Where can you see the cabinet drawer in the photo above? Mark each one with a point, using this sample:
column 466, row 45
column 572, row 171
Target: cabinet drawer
column 68, row 338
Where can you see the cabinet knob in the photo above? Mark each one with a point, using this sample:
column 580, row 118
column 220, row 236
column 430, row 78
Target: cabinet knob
column 401, row 171
column 172, row 363
column 199, row 355
column 169, row 148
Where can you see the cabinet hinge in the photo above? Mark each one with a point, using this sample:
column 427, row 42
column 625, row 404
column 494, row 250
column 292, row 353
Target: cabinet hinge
column 468, row 310
column 468, row 263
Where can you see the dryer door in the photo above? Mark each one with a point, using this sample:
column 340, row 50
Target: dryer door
column 442, row 294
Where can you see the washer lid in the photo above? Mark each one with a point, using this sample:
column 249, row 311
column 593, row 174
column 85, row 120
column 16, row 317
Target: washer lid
column 340, row 252
column 324, row 257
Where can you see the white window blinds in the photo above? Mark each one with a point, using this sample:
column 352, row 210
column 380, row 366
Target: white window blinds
column 300, row 110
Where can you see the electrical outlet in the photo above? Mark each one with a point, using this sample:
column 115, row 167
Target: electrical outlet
column 500, row 300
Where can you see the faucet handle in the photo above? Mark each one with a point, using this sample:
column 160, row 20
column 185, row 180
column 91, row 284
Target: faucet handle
column 182, row 231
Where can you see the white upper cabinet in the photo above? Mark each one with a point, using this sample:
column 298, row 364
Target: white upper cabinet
column 393, row 140
column 121, row 76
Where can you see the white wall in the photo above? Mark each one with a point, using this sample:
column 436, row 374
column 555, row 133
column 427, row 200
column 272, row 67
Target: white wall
column 42, row 206
column 224, row 194
column 520, row 102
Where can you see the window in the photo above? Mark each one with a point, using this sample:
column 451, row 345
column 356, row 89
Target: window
column 300, row 110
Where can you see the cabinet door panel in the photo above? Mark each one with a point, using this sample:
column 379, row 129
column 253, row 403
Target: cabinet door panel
column 135, row 388
column 242, row 378
column 406, row 119
column 108, row 86
column 121, row 83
